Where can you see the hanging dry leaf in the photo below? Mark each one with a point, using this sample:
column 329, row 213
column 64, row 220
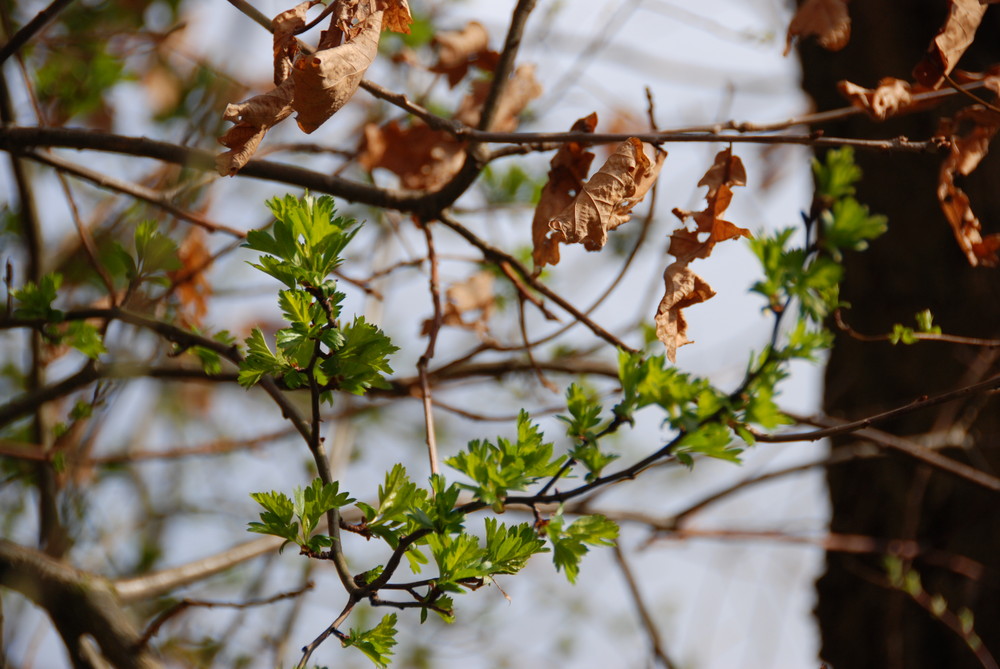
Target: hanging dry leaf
column 458, row 50
column 607, row 200
column 567, row 173
column 521, row 89
column 192, row 287
column 947, row 47
column 423, row 158
column 966, row 153
column 326, row 80
column 891, row 97
column 683, row 289
column 253, row 119
column 726, row 172
column 475, row 294
column 284, row 26
column 827, row 19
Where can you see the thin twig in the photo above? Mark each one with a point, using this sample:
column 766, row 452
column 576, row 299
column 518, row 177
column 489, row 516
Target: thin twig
column 425, row 359
column 643, row 612
column 184, row 604
column 31, row 28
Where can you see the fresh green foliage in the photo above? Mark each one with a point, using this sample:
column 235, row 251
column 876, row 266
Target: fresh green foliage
column 906, row 335
column 155, row 255
column 836, row 175
column 35, row 300
column 570, row 542
column 506, row 466
column 376, row 643
column 296, row 519
column 584, row 417
column 301, row 251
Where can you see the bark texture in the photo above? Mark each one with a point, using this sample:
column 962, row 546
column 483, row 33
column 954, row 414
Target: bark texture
column 915, row 266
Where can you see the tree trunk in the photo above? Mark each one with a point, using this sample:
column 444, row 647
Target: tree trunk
column 917, row 265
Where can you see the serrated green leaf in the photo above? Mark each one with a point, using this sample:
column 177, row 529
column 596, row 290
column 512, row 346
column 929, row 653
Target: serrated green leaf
column 376, row 643
column 507, row 466
column 85, row 338
column 508, row 548
column 570, row 543
column 35, row 300
column 361, row 359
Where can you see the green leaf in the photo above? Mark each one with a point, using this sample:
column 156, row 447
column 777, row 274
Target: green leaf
column 397, row 496
column 570, row 544
column 35, row 300
column 154, row 251
column 260, row 360
column 836, row 174
column 498, row 469
column 458, row 557
column 849, row 225
column 277, row 516
column 361, row 360
column 85, row 338
column 376, row 643
column 925, row 322
column 713, row 439
column 509, row 548
column 315, row 500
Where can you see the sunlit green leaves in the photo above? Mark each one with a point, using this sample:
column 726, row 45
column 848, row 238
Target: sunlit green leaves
column 376, row 643
column 297, row 518
column 570, row 542
column 836, row 174
column 34, row 300
column 361, row 359
column 304, row 245
column 507, row 465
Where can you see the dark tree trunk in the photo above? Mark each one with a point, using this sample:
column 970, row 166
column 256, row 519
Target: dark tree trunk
column 917, row 265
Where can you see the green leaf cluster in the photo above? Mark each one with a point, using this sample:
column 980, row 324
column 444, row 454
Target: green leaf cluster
column 460, row 558
column 301, row 251
column 155, row 255
column 581, row 426
column 570, row 542
column 376, row 643
column 296, row 519
column 34, row 301
column 902, row 334
column 507, row 465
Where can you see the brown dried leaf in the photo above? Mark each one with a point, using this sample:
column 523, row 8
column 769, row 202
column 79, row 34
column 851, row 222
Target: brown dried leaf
column 192, row 287
column 607, row 200
column 726, row 172
column 423, row 158
column 683, row 289
column 458, row 50
column 397, row 15
column 326, row 80
column 827, row 19
column 947, row 47
column 521, row 89
column 475, row 294
column 286, row 47
column 966, row 153
column 253, row 118
column 567, row 173
column 891, row 97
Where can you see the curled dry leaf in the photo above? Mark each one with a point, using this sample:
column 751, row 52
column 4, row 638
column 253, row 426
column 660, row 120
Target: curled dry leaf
column 458, row 50
column 891, row 97
column 284, row 26
column 966, row 153
column 327, row 79
column 684, row 288
column 521, row 89
column 426, row 159
column 955, row 36
column 567, row 172
column 475, row 294
column 607, row 200
column 253, row 119
column 423, row 158
column 726, row 172
column 192, row 287
column 827, row 19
